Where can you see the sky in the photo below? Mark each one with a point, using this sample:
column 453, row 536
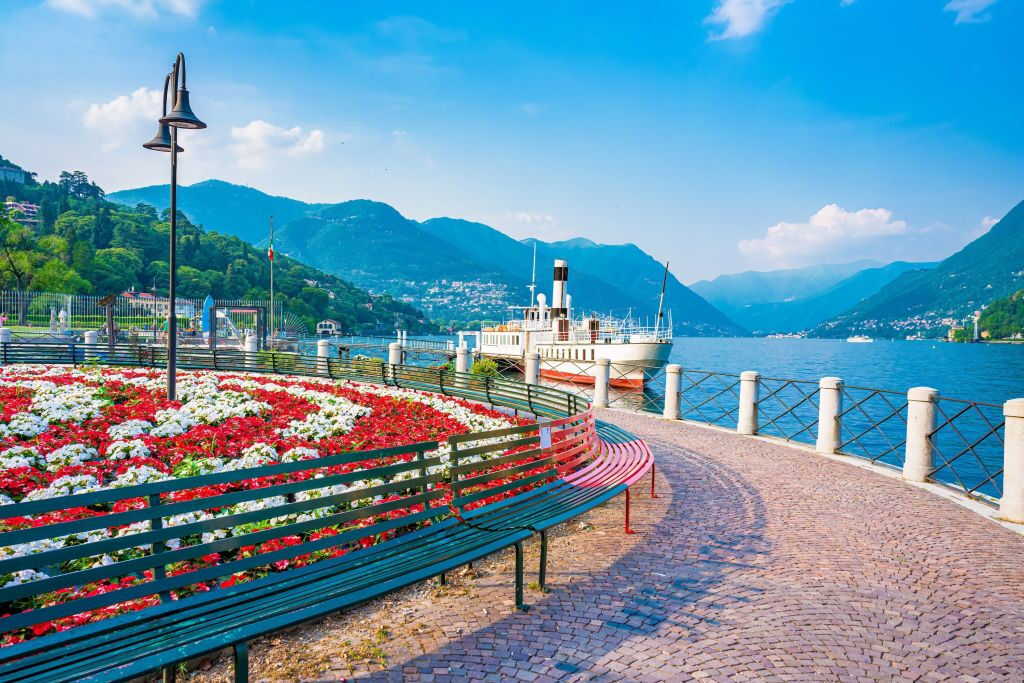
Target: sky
column 721, row 135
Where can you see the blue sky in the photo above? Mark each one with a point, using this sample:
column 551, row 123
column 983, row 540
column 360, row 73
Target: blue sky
column 720, row 134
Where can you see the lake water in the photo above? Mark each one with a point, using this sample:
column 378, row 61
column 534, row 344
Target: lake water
column 968, row 441
column 981, row 372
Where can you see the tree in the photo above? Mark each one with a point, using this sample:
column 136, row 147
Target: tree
column 77, row 184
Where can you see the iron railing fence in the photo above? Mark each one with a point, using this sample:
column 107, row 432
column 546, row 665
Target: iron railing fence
column 788, row 409
column 873, row 425
column 51, row 312
column 967, row 447
column 709, row 397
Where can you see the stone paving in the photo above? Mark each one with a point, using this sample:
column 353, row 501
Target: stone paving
column 756, row 562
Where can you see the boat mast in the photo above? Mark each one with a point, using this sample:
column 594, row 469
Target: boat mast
column 661, row 301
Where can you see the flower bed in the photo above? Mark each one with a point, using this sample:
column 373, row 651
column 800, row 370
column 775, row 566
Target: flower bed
column 65, row 431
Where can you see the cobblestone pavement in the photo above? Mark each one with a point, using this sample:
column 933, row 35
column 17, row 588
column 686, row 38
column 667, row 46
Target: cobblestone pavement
column 756, row 562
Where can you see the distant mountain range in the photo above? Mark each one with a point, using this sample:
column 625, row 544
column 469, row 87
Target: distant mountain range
column 451, row 268
column 812, row 295
column 988, row 268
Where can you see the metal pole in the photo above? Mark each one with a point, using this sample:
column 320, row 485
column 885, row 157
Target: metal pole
column 172, row 319
column 271, row 283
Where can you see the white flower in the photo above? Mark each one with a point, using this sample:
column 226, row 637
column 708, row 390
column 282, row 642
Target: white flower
column 124, row 450
column 128, row 429
column 25, row 576
column 141, row 474
column 72, row 454
column 20, row 456
column 27, row 425
column 66, row 486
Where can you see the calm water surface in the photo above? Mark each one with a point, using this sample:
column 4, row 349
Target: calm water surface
column 980, row 372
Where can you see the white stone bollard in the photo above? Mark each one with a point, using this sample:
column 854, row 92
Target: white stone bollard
column 746, row 422
column 323, row 355
column 830, row 404
column 249, row 346
column 462, row 359
column 5, row 338
column 672, row 386
column 91, row 338
column 1011, row 505
column 602, row 370
column 394, row 353
column 917, row 464
column 532, row 370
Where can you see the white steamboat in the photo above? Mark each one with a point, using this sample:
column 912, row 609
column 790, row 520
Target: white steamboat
column 569, row 346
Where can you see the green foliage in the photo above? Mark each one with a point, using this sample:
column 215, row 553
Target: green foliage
column 486, row 367
column 1004, row 318
column 87, row 245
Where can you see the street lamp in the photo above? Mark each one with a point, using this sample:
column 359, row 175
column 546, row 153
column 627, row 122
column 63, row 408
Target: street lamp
column 166, row 140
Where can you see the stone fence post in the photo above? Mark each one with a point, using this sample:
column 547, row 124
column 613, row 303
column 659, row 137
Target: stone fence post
column 830, row 405
column 921, row 413
column 747, row 419
column 323, row 353
column 1011, row 505
column 462, row 359
column 532, row 371
column 250, row 351
column 672, row 385
column 602, row 369
column 5, row 340
column 91, row 339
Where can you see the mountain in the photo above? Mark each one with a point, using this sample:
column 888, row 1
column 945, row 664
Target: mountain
column 455, row 270
column 731, row 293
column 94, row 246
column 231, row 209
column 988, row 268
column 799, row 315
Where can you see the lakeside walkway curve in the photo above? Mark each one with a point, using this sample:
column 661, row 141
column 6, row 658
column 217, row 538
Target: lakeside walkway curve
column 757, row 561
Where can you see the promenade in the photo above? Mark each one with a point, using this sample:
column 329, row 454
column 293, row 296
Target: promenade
column 758, row 561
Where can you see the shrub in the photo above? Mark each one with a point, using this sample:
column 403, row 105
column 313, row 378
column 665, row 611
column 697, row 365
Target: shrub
column 486, row 367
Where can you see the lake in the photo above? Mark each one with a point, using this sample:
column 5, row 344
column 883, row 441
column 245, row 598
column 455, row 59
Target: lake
column 980, row 372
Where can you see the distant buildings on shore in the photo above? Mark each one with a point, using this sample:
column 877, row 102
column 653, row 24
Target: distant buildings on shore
column 28, row 214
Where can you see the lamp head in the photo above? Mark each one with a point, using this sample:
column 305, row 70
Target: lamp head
column 161, row 142
column 181, row 116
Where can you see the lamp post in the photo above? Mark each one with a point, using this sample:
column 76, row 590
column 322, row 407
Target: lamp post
column 166, row 140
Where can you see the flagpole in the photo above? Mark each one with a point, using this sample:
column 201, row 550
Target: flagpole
column 271, row 254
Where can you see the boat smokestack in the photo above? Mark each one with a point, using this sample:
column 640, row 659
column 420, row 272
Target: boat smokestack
column 558, row 294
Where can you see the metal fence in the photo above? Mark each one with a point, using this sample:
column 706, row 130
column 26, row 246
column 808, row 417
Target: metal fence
column 32, row 314
column 968, row 442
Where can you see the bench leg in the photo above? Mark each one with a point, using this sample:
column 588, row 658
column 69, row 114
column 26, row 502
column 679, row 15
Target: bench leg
column 653, row 494
column 168, row 674
column 542, row 573
column 519, row 578
column 443, row 579
column 628, row 530
column 242, row 663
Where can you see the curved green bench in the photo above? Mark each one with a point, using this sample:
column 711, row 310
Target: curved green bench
column 406, row 531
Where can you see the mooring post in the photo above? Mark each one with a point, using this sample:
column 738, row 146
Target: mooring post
column 746, row 422
column 532, row 370
column 602, row 368
column 91, row 342
column 921, row 413
column 5, row 341
column 672, row 384
column 394, row 360
column 323, row 354
column 830, row 405
column 1011, row 505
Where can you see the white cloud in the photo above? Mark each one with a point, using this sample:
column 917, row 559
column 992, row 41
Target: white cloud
column 256, row 143
column 987, row 222
column 831, row 228
column 532, row 108
column 143, row 9
column 970, row 11
column 520, row 224
column 739, row 18
column 123, row 117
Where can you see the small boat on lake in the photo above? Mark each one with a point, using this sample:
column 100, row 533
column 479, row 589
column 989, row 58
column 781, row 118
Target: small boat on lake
column 859, row 339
